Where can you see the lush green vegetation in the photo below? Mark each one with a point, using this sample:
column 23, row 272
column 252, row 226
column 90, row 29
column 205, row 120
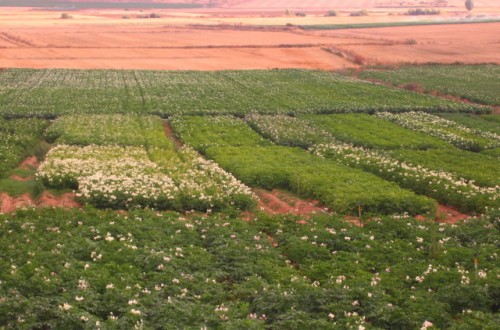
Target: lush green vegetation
column 372, row 132
column 121, row 130
column 488, row 123
column 478, row 83
column 482, row 170
column 448, row 188
column 450, row 131
column 141, row 268
column 124, row 162
column 215, row 131
column 288, row 131
column 339, row 187
column 18, row 139
column 50, row 93
column 87, row 269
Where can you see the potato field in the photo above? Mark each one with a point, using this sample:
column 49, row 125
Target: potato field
column 172, row 231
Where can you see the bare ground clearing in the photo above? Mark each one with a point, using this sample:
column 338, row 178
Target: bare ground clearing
column 230, row 37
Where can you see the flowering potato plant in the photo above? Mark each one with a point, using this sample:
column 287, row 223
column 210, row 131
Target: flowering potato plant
column 126, row 177
column 17, row 139
column 125, row 130
column 50, row 93
column 339, row 187
column 441, row 185
column 90, row 268
column 450, row 131
column 372, row 132
column 288, row 131
column 108, row 176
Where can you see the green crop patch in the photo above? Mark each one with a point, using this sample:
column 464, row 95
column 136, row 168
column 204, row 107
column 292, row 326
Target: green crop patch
column 217, row 131
column 53, row 92
column 478, row 83
column 444, row 186
column 372, row 132
column 339, row 187
column 476, row 168
column 18, row 139
column 452, row 132
column 167, row 269
column 115, row 129
column 487, row 123
column 124, row 162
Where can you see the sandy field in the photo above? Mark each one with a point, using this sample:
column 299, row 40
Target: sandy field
column 232, row 37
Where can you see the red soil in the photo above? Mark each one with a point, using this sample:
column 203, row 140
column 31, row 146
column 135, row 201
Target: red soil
column 279, row 202
column 29, row 163
column 211, row 40
column 9, row 204
column 448, row 214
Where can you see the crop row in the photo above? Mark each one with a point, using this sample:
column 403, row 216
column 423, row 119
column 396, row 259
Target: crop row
column 241, row 151
column 50, row 93
column 135, row 166
column 450, row 175
column 441, row 185
column 488, row 123
column 121, row 130
column 65, row 269
column 358, row 129
column 17, row 140
column 459, row 135
column 477, row 83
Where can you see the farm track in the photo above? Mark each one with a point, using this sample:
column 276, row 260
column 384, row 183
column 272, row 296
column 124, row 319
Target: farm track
column 280, row 202
column 170, row 134
column 9, row 204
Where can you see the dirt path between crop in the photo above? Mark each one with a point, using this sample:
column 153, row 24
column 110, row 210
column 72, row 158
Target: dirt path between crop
column 280, row 202
column 30, row 163
column 10, row 204
column 170, row 134
column 448, row 214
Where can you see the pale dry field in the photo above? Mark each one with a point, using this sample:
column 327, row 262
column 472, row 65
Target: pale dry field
column 229, row 37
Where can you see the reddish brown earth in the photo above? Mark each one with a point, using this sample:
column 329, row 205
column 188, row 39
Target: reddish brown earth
column 233, row 37
column 9, row 204
column 66, row 200
column 448, row 214
column 29, row 163
column 280, row 202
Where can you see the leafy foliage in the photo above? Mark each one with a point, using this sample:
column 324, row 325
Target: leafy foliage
column 442, row 185
column 339, row 187
column 477, row 83
column 18, row 138
column 460, row 136
column 217, row 131
column 88, row 269
column 372, row 132
column 50, row 93
column 478, row 168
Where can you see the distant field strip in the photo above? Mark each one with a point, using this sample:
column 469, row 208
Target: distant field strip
column 94, row 4
column 54, row 92
column 478, row 83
